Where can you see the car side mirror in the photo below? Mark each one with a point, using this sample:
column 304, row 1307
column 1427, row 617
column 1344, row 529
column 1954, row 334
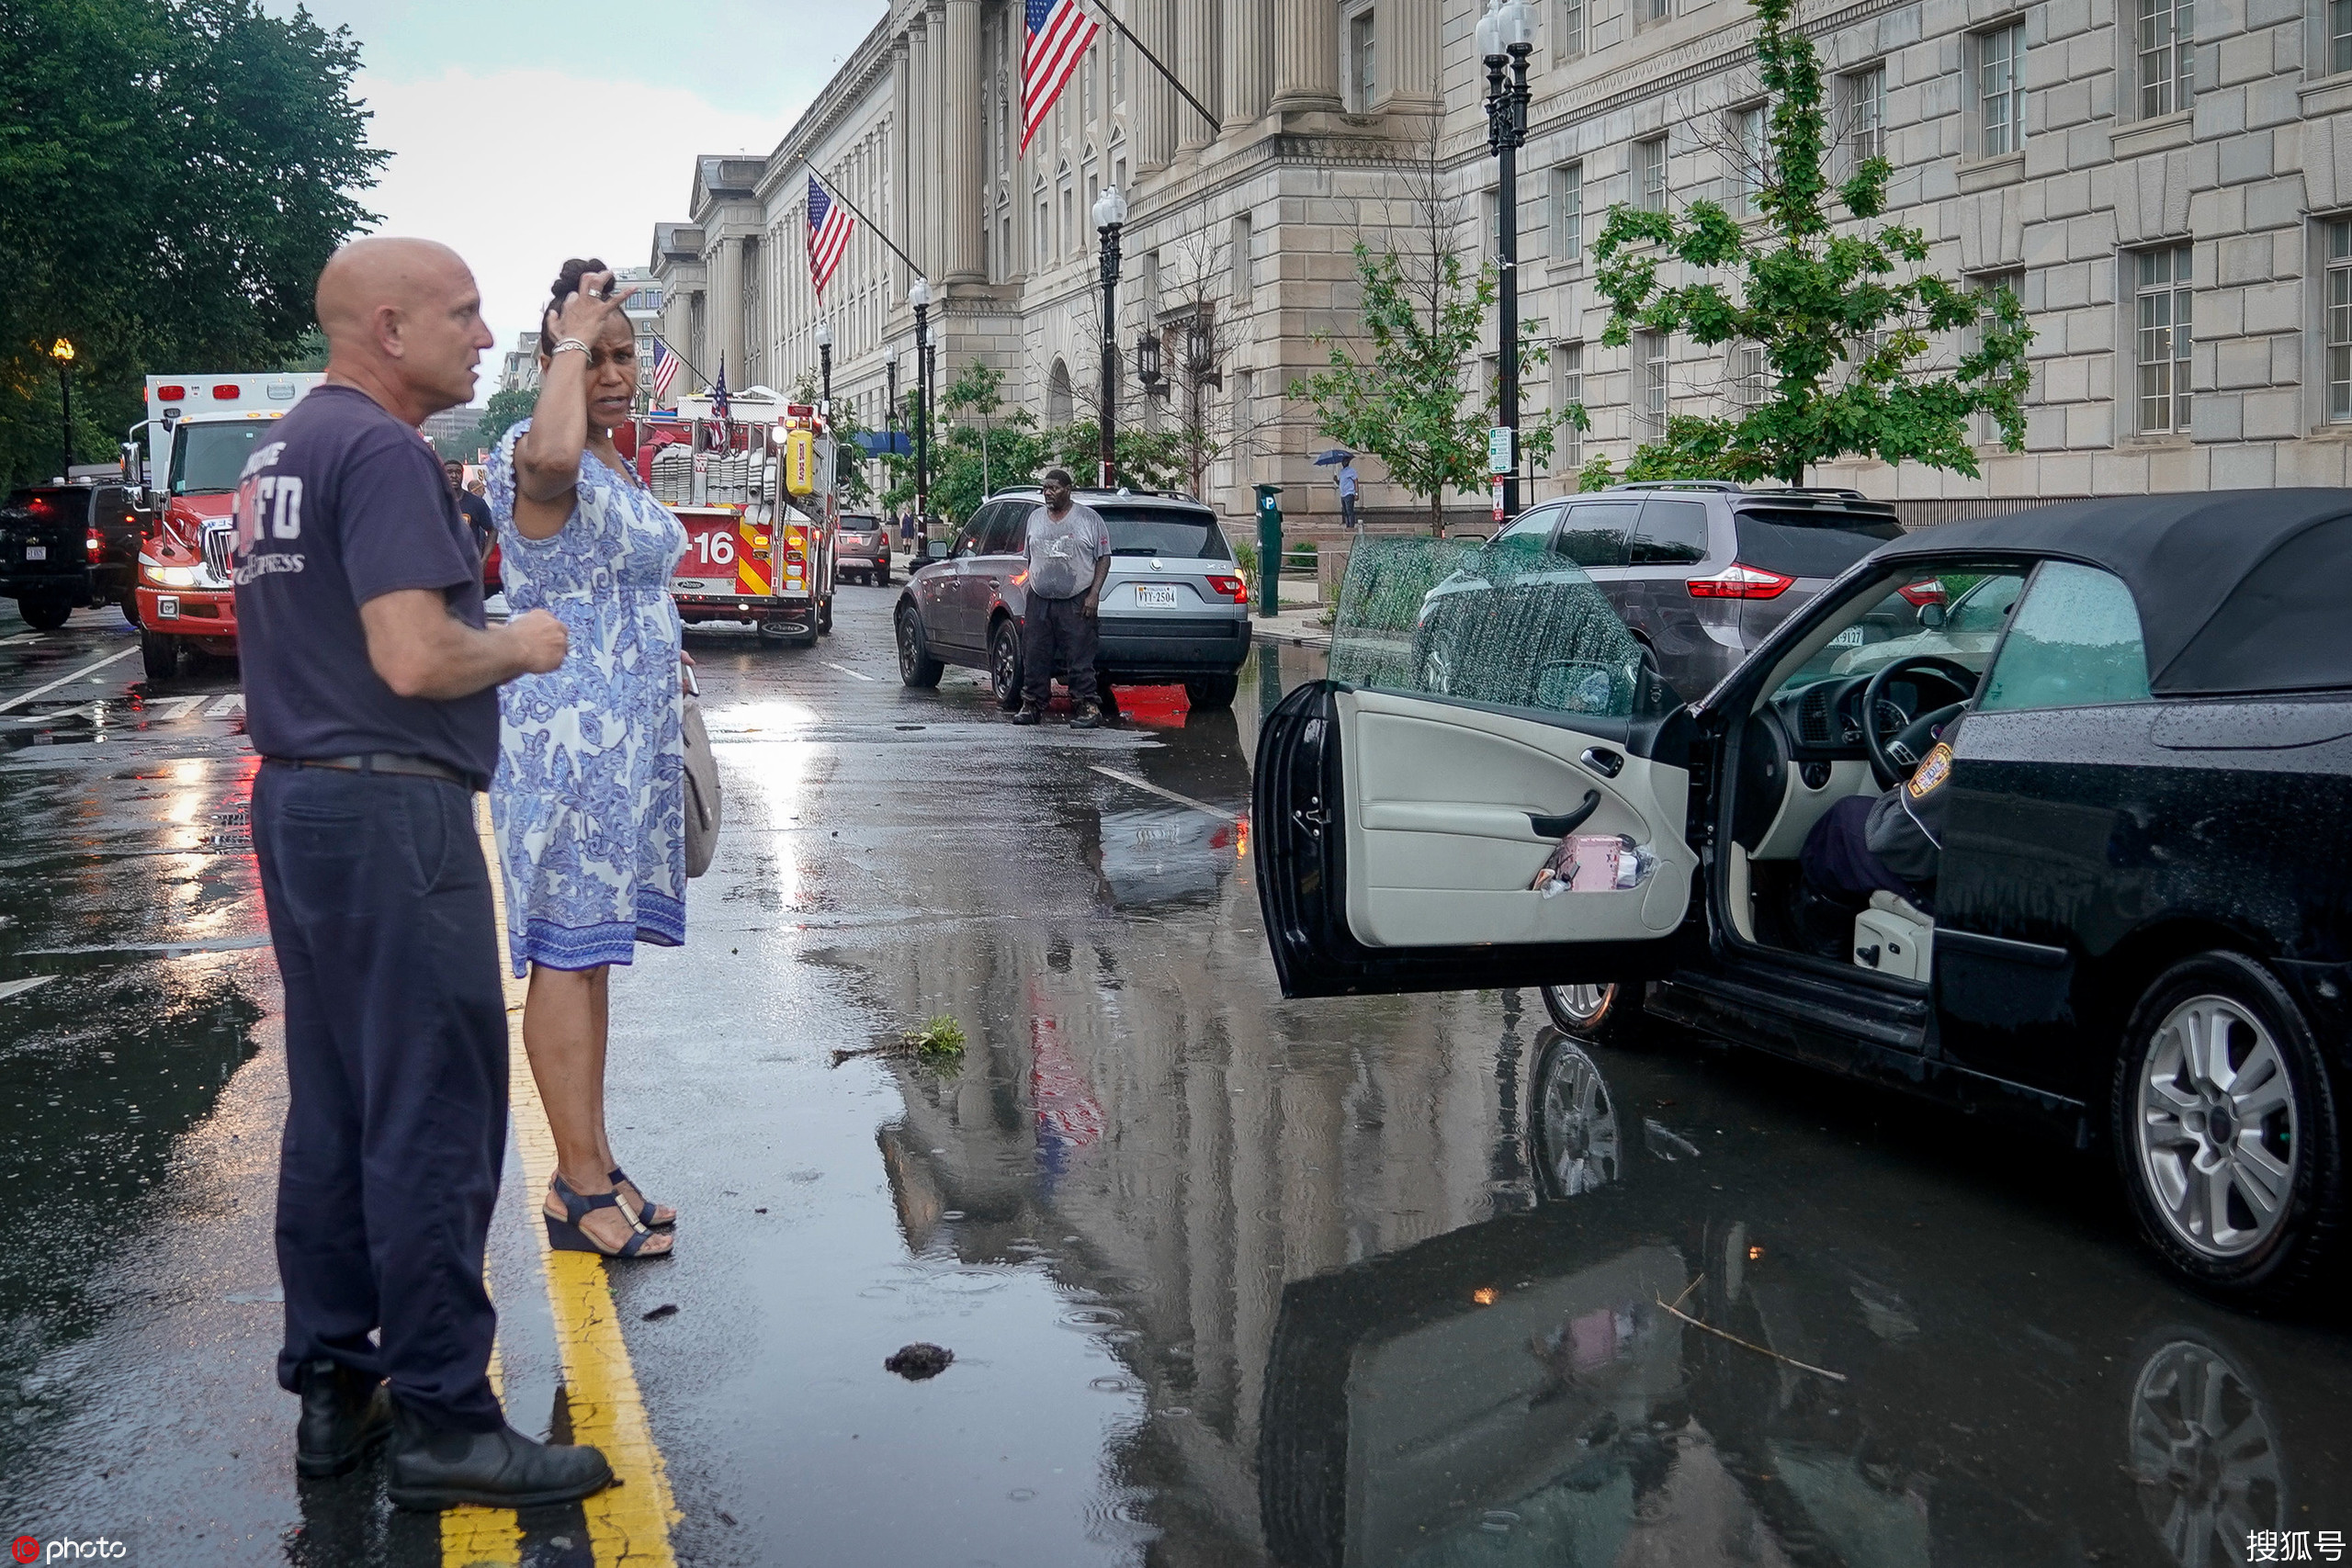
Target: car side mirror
column 1933, row 616
column 934, row 551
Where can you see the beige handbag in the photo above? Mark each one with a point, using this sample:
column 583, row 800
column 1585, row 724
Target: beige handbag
column 702, row 789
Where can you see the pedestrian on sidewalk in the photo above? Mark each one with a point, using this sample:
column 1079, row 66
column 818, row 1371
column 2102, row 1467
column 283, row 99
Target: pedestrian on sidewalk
column 475, row 509
column 1070, row 555
column 368, row 671
column 590, row 797
column 1346, row 479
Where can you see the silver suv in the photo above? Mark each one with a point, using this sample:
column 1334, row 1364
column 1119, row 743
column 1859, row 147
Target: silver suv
column 1175, row 610
column 1700, row 571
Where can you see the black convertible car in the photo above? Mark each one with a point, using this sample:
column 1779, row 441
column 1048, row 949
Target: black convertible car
column 2141, row 917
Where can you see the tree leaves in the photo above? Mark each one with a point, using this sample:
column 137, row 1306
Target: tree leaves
column 172, row 179
column 1843, row 318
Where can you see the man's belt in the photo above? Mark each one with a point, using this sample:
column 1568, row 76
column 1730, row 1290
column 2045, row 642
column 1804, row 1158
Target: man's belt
column 384, row 763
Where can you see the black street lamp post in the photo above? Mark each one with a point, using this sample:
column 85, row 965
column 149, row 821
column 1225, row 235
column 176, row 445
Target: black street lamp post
column 63, row 352
column 1110, row 217
column 825, row 363
column 1506, row 38
column 919, row 296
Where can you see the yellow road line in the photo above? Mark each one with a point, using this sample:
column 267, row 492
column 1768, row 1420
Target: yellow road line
column 628, row 1524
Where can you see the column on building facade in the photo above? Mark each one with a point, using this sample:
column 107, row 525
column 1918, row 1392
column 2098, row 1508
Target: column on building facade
column 1407, row 45
column 1156, row 104
column 726, row 307
column 1247, row 69
column 1196, row 66
column 960, row 162
column 901, row 110
column 923, row 138
column 1306, row 55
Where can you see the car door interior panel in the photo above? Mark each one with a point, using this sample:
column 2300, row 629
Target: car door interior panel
column 1441, row 847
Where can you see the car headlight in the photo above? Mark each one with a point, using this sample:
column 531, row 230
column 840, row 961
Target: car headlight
column 172, row 576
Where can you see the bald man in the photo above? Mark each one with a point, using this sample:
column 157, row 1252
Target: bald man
column 370, row 680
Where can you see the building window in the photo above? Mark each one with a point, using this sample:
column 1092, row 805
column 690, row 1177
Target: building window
column 2000, row 89
column 1069, row 215
column 2162, row 297
column 1748, row 128
column 1749, row 376
column 1865, row 93
column 1567, row 359
column 1650, row 174
column 2339, row 36
column 1567, row 27
column 1243, row 286
column 1649, row 386
column 1647, row 12
column 2166, row 55
column 1567, row 212
column 2339, row 320
column 1988, row 288
column 1362, row 85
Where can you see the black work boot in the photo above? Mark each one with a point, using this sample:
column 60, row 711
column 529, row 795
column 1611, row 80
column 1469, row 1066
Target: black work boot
column 345, row 1414
column 1089, row 716
column 434, row 1467
column 1030, row 714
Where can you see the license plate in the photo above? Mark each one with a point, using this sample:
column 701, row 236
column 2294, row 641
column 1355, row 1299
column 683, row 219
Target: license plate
column 1150, row 598
column 1851, row 638
column 36, row 552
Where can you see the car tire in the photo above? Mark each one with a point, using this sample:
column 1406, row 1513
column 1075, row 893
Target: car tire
column 917, row 667
column 159, row 654
column 824, row 620
column 45, row 612
column 1212, row 693
column 2200, row 1197
column 130, row 602
column 882, row 578
column 1605, row 1014
column 1004, row 664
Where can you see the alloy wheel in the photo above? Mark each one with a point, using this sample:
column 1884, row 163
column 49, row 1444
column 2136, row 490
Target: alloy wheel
column 1581, row 1147
column 2216, row 1128
column 2202, row 1454
column 1581, row 1007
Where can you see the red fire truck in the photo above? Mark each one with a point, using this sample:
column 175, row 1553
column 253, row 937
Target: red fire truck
column 201, row 429
column 755, row 492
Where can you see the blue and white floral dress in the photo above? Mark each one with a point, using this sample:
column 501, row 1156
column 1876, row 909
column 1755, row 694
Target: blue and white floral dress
column 589, row 799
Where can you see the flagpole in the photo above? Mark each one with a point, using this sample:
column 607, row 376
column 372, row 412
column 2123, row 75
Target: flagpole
column 682, row 358
column 1144, row 49
column 862, row 218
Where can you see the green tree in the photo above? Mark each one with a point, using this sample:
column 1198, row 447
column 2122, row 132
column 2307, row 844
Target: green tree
column 1404, row 401
column 504, row 411
column 1815, row 295
column 172, row 179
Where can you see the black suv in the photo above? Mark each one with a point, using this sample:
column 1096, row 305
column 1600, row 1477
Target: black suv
column 1701, row 572
column 64, row 546
column 2138, row 928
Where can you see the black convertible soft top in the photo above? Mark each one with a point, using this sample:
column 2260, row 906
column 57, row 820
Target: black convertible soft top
column 2238, row 590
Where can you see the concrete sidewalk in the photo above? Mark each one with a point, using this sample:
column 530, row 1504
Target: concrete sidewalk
column 1299, row 626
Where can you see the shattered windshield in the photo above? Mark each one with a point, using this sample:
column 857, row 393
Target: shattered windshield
column 1510, row 622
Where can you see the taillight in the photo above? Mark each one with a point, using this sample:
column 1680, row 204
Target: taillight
column 171, row 394
column 1918, row 596
column 1233, row 588
column 1736, row 582
column 226, row 391
column 795, row 557
column 93, row 544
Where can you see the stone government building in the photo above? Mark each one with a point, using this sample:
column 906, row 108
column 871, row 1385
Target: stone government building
column 2167, row 188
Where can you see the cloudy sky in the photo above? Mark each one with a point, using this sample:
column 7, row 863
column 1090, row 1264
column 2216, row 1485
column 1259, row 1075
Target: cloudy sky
column 523, row 131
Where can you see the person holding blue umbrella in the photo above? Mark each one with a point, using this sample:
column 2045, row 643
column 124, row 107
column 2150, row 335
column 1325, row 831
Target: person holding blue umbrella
column 1346, row 479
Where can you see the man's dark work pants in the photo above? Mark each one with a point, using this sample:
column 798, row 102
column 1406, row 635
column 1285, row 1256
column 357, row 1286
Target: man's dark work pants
column 1057, row 630
column 380, row 907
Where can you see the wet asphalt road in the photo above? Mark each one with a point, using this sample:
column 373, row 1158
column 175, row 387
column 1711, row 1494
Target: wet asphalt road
column 1228, row 1280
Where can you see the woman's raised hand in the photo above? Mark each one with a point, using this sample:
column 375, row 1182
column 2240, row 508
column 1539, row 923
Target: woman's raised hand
column 583, row 313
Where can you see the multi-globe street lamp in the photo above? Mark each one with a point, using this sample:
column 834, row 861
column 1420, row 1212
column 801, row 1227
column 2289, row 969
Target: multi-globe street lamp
column 1506, row 38
column 1110, row 217
column 919, row 296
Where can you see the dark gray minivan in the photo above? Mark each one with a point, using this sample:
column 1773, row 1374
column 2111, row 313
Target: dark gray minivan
column 1701, row 569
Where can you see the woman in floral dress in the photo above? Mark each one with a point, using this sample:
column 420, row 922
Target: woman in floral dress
column 588, row 801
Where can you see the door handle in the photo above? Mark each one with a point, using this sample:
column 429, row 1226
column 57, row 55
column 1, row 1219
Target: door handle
column 1603, row 760
column 1561, row 827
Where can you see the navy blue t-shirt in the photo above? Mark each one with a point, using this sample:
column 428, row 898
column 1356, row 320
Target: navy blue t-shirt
column 344, row 504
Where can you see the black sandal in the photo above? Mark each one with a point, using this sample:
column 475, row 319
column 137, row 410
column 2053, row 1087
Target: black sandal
column 566, row 1235
column 643, row 1220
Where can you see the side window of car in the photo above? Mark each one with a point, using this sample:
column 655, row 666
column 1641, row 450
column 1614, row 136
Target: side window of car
column 1595, row 532
column 2073, row 641
column 1672, row 533
column 1532, row 525
column 1007, row 525
column 968, row 543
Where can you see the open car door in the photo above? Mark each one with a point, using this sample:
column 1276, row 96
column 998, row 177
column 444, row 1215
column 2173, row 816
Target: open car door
column 1399, row 829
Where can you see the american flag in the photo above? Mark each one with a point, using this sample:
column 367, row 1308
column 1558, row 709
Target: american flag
column 1058, row 34
column 666, row 372
column 718, row 405
column 829, row 227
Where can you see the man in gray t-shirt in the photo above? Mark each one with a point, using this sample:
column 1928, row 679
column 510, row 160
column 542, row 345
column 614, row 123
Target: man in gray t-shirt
column 1070, row 555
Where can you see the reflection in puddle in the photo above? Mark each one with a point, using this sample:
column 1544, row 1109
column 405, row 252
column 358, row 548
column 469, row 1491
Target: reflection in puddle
column 2202, row 1453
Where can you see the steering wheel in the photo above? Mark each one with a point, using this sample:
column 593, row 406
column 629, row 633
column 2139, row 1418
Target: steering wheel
column 1893, row 757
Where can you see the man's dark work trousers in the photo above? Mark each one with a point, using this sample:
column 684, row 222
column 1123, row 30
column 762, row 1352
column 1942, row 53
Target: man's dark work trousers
column 396, row 1075
column 1058, row 631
